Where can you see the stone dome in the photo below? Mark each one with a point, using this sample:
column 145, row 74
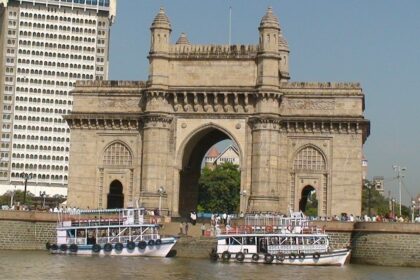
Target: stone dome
column 269, row 20
column 283, row 45
column 183, row 40
column 161, row 20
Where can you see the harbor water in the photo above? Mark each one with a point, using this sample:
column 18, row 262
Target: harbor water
column 42, row 265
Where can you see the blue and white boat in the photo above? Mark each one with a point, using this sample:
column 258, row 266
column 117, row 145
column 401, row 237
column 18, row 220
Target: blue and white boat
column 114, row 232
column 278, row 240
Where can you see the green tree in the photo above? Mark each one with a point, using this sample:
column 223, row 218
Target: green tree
column 312, row 205
column 379, row 204
column 219, row 189
column 18, row 197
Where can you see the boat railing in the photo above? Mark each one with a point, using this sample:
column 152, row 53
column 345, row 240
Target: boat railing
column 276, row 221
column 78, row 221
column 113, row 239
column 287, row 249
column 270, row 229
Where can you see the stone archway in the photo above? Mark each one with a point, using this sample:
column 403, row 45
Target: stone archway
column 194, row 151
column 115, row 195
column 305, row 196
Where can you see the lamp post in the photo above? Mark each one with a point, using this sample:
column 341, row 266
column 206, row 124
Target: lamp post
column 161, row 192
column 418, row 205
column 399, row 170
column 42, row 195
column 368, row 185
column 392, row 207
column 26, row 176
column 413, row 209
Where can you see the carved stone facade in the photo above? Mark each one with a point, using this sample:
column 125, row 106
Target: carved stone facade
column 291, row 136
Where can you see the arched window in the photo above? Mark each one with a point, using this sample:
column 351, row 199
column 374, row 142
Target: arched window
column 309, row 158
column 117, row 154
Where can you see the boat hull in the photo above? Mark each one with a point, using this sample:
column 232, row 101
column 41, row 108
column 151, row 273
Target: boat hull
column 160, row 250
column 333, row 258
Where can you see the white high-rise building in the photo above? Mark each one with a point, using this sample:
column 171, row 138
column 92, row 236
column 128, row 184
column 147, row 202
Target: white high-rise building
column 45, row 46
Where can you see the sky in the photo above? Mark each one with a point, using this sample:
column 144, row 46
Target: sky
column 375, row 42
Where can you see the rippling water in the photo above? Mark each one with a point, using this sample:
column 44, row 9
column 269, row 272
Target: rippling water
column 42, row 265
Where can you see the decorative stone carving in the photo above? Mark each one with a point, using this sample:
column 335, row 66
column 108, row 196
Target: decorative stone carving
column 212, row 102
column 156, row 121
column 311, row 104
column 264, row 123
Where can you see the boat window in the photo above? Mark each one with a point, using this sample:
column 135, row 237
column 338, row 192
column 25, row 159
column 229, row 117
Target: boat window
column 71, row 233
column 249, row 241
column 234, row 241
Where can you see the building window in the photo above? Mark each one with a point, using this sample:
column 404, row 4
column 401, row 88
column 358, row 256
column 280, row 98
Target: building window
column 309, row 158
column 117, row 154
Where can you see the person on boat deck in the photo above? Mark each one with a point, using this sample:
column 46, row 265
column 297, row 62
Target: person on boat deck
column 91, row 237
column 263, row 246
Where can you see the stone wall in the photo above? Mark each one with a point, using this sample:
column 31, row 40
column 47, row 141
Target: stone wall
column 386, row 249
column 189, row 247
column 26, row 235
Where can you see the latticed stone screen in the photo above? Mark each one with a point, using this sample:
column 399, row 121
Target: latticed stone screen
column 117, row 154
column 309, row 158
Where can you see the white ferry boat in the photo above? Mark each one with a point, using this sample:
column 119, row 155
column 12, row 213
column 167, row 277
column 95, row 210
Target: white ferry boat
column 114, row 232
column 278, row 240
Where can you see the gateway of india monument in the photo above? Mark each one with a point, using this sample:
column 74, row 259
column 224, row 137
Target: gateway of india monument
column 144, row 142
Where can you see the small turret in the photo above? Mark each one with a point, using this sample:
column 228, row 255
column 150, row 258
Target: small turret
column 161, row 31
column 269, row 32
column 284, row 59
column 159, row 50
column 269, row 54
column 183, row 40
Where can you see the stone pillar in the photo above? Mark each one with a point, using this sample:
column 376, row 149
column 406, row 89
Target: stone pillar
column 156, row 141
column 265, row 163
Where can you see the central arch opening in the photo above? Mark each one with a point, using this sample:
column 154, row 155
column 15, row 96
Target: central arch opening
column 308, row 203
column 115, row 195
column 195, row 160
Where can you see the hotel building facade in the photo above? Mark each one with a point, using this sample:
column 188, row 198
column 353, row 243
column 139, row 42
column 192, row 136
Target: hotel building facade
column 45, row 46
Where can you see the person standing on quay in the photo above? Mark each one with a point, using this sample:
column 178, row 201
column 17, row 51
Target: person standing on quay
column 186, row 228
column 181, row 228
column 203, row 229
column 193, row 218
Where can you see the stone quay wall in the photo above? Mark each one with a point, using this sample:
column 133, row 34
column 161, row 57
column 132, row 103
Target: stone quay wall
column 387, row 244
column 20, row 230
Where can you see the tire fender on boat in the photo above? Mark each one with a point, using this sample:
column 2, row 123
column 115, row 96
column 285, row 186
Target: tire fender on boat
column 213, row 254
column 240, row 256
column 301, row 255
column 226, row 256
column 316, row 255
column 292, row 256
column 107, row 247
column 158, row 242
column 269, row 228
column 255, row 257
column 268, row 258
column 73, row 248
column 54, row 247
column 63, row 247
column 131, row 245
column 151, row 242
column 47, row 245
column 280, row 256
column 118, row 247
column 96, row 248
column 142, row 244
